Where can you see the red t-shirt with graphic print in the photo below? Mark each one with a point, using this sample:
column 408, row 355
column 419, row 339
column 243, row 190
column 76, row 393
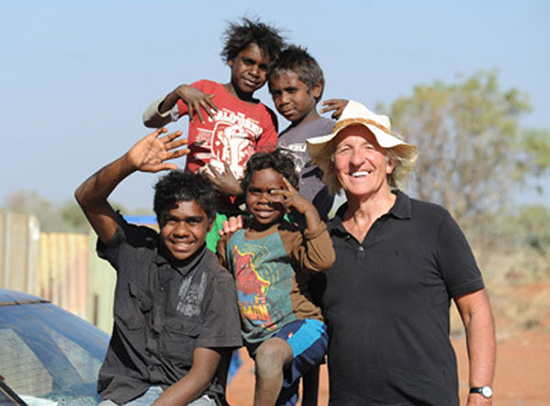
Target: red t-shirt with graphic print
column 238, row 130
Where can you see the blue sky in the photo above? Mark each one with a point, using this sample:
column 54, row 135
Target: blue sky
column 75, row 77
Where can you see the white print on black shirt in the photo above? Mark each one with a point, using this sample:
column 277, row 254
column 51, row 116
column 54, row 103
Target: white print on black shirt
column 191, row 295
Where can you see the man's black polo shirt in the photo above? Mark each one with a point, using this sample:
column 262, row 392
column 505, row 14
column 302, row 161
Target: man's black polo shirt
column 386, row 303
column 162, row 313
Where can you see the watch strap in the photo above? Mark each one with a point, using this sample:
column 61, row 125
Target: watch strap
column 485, row 391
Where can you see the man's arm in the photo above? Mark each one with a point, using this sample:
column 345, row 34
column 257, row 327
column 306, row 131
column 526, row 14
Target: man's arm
column 475, row 310
column 147, row 155
column 196, row 382
column 158, row 114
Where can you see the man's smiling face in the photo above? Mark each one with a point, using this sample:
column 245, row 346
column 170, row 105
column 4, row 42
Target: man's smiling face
column 360, row 163
column 183, row 229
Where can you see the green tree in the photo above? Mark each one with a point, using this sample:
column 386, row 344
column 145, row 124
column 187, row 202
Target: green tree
column 74, row 218
column 534, row 222
column 30, row 202
column 472, row 151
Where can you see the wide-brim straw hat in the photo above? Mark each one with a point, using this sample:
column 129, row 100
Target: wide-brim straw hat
column 356, row 113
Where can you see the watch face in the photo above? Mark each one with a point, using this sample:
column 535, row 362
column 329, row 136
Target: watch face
column 487, row 391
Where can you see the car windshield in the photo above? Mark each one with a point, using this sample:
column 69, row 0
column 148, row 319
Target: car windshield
column 49, row 356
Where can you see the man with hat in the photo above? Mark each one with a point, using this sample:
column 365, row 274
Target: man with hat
column 399, row 262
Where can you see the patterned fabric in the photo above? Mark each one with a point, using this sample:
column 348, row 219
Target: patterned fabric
column 272, row 273
column 238, row 130
column 263, row 276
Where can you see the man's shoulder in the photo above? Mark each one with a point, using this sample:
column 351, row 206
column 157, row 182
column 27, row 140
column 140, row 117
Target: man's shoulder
column 425, row 208
column 140, row 236
column 421, row 213
column 135, row 237
column 212, row 267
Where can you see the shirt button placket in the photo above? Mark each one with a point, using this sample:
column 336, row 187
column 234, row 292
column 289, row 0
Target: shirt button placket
column 360, row 252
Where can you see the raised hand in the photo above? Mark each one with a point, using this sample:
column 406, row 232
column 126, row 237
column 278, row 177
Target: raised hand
column 336, row 105
column 195, row 99
column 293, row 199
column 226, row 182
column 150, row 153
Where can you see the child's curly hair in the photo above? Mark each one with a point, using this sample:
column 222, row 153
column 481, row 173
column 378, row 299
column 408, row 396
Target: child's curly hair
column 179, row 186
column 238, row 37
column 277, row 160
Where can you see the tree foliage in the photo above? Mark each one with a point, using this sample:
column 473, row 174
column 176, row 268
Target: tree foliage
column 472, row 151
column 54, row 218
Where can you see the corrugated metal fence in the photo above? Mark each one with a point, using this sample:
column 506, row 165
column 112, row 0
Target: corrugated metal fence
column 59, row 267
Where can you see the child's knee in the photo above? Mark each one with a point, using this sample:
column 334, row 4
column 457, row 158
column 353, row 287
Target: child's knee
column 273, row 354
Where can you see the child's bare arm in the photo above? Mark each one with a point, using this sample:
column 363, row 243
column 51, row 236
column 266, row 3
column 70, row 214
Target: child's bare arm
column 196, row 382
column 336, row 105
column 157, row 114
column 147, row 155
column 193, row 98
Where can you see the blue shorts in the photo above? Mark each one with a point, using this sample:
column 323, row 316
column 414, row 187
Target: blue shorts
column 308, row 339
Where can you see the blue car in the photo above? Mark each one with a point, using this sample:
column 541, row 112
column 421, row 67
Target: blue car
column 48, row 356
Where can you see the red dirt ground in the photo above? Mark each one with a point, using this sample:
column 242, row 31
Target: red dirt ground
column 522, row 375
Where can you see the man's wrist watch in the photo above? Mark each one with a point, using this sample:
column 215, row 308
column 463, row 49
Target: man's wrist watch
column 484, row 391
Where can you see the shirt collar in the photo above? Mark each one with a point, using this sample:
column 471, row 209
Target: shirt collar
column 401, row 209
column 183, row 267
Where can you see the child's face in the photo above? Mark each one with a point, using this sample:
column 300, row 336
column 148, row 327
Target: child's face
column 265, row 207
column 249, row 69
column 183, row 229
column 292, row 98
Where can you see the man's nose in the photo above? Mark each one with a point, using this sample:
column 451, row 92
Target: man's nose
column 357, row 156
column 182, row 229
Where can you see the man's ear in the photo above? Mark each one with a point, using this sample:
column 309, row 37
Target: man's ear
column 390, row 165
column 231, row 62
column 317, row 90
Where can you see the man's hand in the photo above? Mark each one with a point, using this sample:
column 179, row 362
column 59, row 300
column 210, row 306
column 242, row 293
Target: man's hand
column 150, row 153
column 336, row 105
column 226, row 182
column 476, row 314
column 195, row 99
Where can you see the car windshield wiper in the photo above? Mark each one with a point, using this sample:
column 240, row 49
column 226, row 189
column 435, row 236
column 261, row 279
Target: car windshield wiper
column 8, row 394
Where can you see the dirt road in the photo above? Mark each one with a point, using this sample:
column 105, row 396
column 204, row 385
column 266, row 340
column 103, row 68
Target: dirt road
column 522, row 375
